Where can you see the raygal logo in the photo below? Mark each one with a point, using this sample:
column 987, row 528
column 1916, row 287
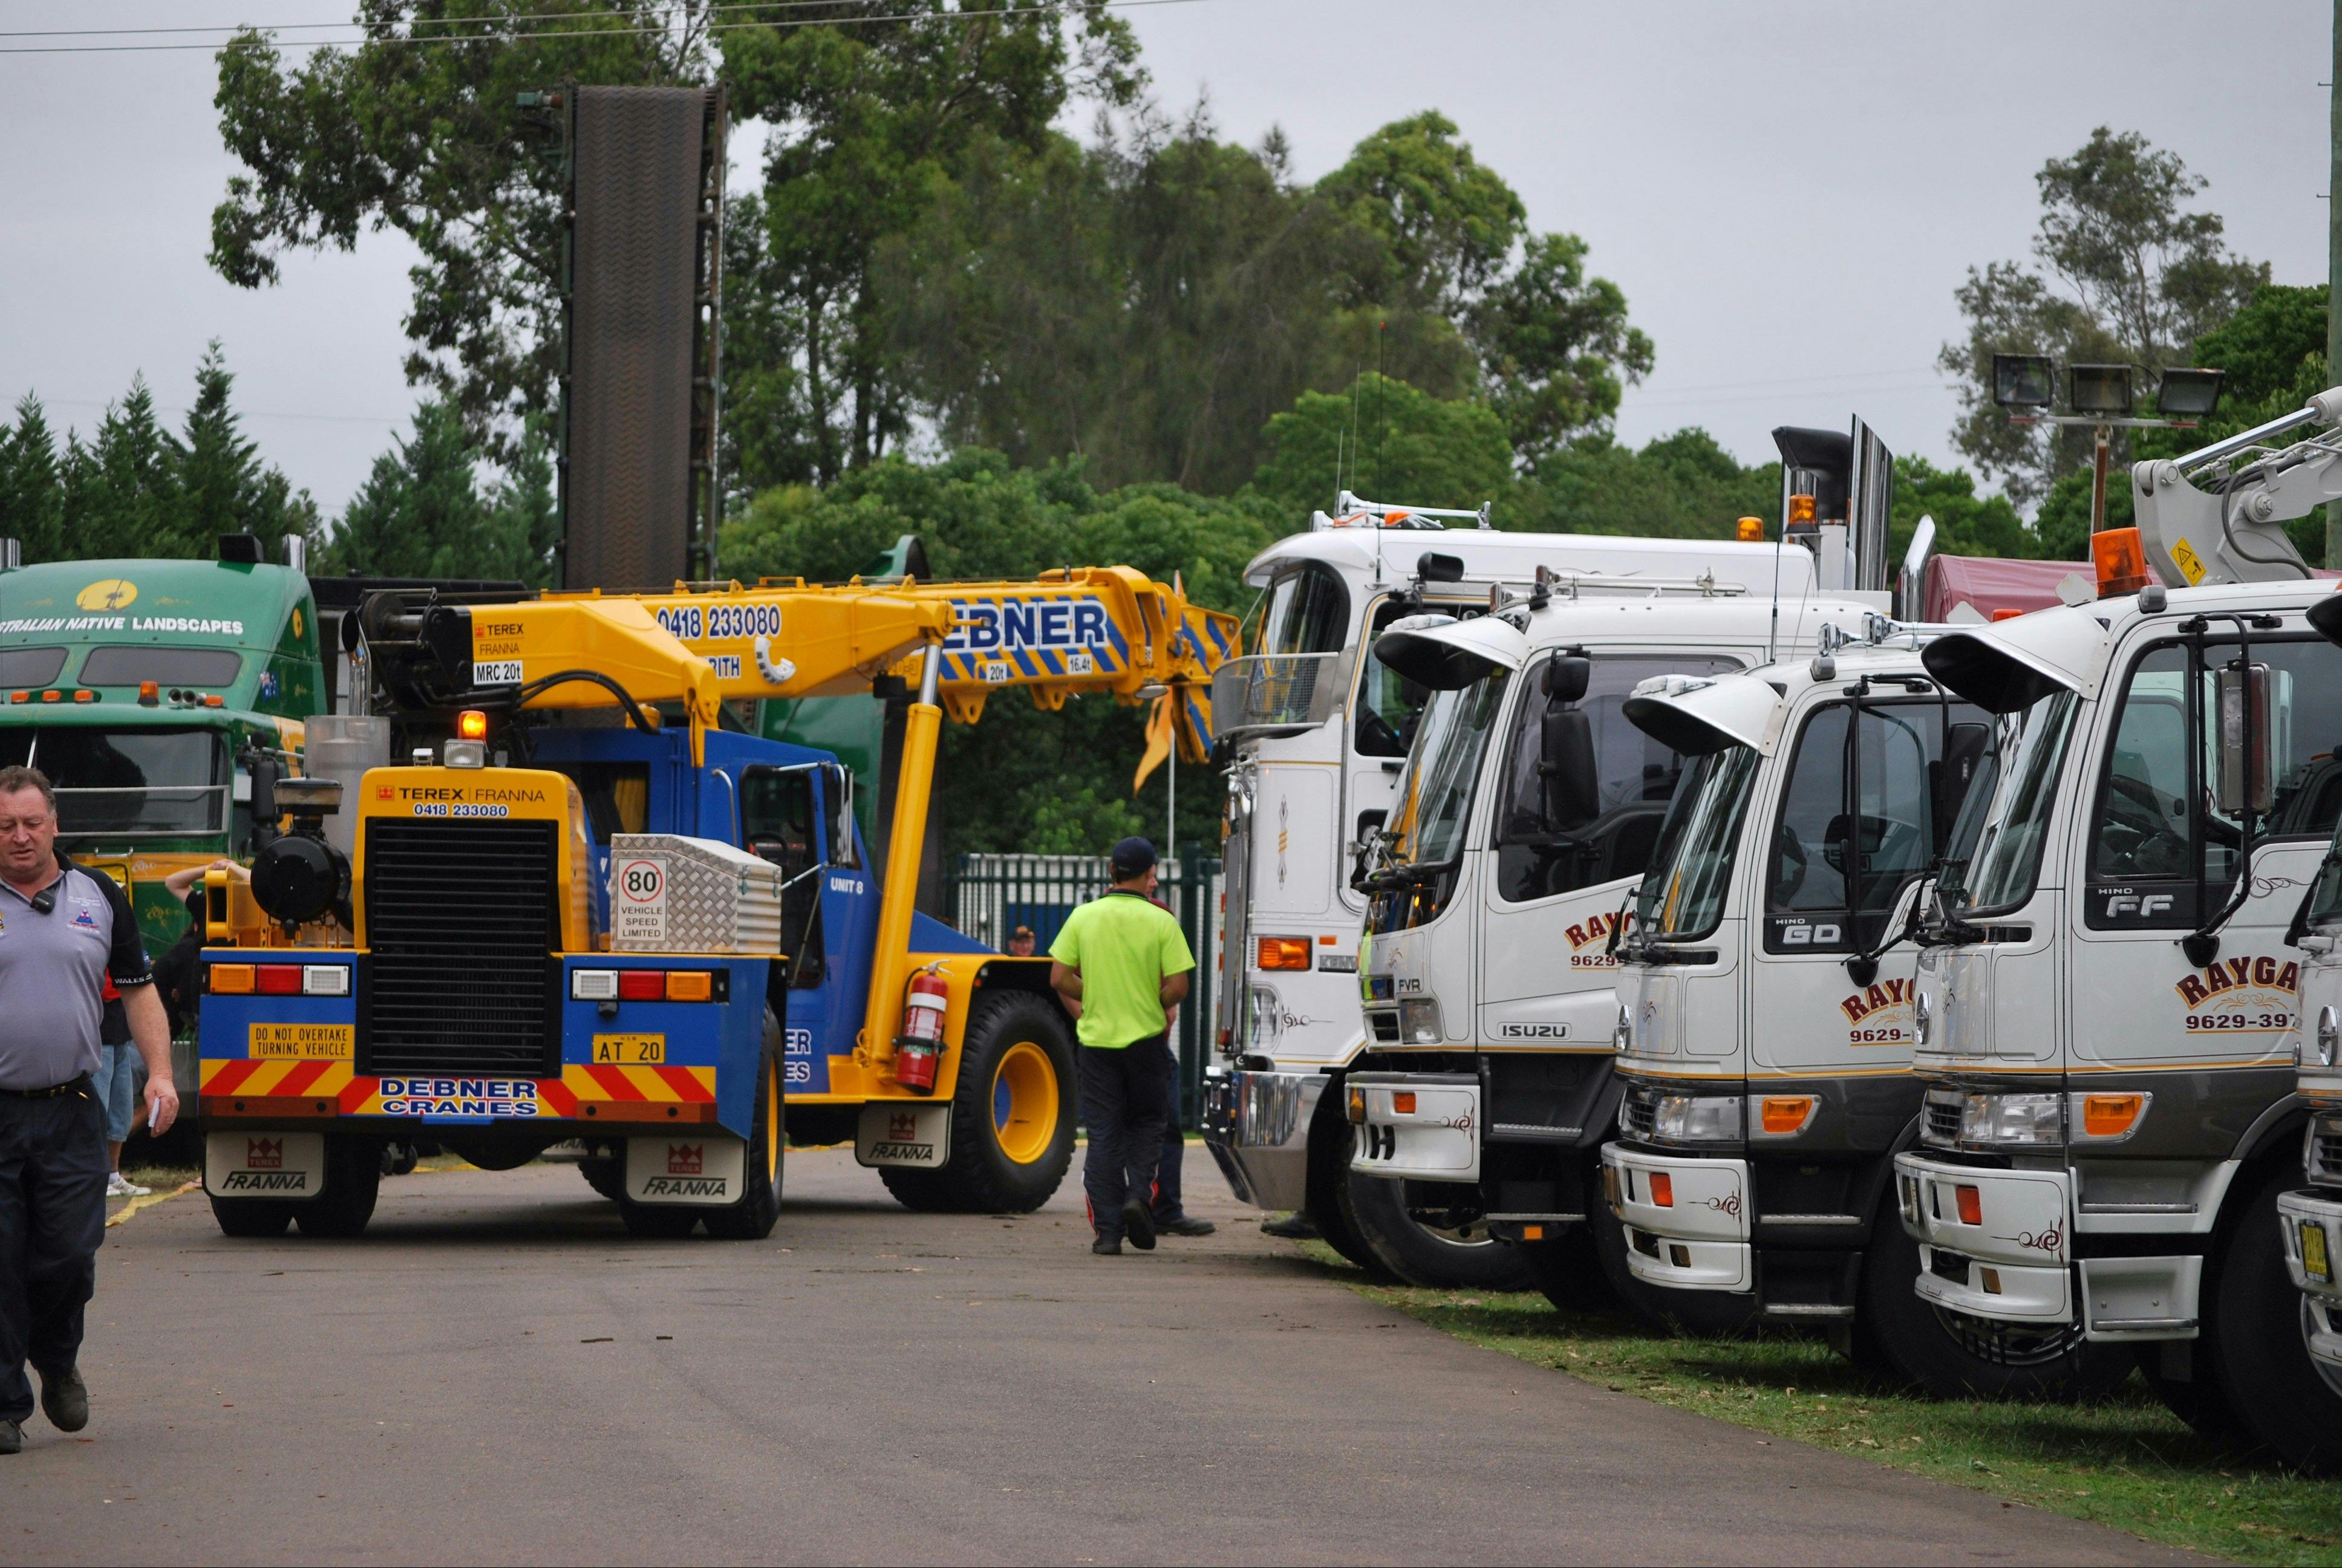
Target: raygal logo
column 2256, row 973
column 1886, row 993
column 1597, row 929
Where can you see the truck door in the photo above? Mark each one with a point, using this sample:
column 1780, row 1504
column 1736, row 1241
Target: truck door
column 2164, row 842
column 795, row 816
column 1868, row 801
column 1567, row 852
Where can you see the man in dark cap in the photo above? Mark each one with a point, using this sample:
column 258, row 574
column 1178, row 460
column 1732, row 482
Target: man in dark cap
column 1020, row 943
column 1124, row 960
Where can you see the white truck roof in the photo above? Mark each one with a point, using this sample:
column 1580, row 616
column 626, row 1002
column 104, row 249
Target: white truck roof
column 1490, row 555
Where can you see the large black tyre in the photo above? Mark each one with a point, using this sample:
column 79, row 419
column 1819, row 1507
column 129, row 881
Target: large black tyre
column 658, row 1222
column 2287, row 1402
column 1382, row 1209
column 251, row 1218
column 1906, row 1340
column 1567, row 1270
column 750, row 1217
column 1013, row 1108
column 352, row 1181
column 1328, row 1188
column 606, row 1174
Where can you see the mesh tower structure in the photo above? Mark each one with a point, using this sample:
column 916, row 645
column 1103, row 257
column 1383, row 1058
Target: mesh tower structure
column 643, row 281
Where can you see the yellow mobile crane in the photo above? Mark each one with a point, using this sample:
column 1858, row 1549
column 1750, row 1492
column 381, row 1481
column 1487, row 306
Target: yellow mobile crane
column 510, row 959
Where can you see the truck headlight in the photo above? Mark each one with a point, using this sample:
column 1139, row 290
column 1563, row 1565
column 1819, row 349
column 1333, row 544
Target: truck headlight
column 1695, row 1118
column 2017, row 1119
column 1418, row 1022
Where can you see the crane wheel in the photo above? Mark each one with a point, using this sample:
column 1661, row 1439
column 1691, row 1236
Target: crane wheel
column 353, row 1178
column 750, row 1217
column 1013, row 1111
column 607, row 1174
column 251, row 1218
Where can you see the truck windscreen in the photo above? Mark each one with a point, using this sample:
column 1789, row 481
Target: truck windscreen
column 1436, row 796
column 30, row 666
column 1681, row 895
column 129, row 664
column 116, row 783
column 2030, row 757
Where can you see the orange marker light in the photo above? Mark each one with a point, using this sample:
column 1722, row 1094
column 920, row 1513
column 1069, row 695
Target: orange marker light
column 1783, row 1114
column 231, row 979
column 1971, row 1202
column 1750, row 530
column 690, row 984
column 1404, row 1102
column 214, row 700
column 1284, row 952
column 1663, row 1190
column 1991, row 1281
column 51, row 695
column 1801, row 510
column 2007, row 613
column 2110, row 1115
column 472, row 724
column 20, row 697
column 149, row 694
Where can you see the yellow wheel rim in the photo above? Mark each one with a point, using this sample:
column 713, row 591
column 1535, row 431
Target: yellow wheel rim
column 1024, row 1103
column 772, row 1120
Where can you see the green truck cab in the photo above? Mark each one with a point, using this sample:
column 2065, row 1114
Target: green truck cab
column 144, row 690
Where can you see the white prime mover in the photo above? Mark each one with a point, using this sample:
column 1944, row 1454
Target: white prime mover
column 1320, row 730
column 2108, row 1032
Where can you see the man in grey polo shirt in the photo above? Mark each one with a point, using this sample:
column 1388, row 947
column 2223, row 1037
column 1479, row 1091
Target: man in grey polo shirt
column 63, row 930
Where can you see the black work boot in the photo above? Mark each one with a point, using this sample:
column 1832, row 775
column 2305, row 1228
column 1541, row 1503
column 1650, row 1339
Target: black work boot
column 11, row 1437
column 1106, row 1247
column 1138, row 1225
column 1293, row 1227
column 1184, row 1226
column 65, row 1399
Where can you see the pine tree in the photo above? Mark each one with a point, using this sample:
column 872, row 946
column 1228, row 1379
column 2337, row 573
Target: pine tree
column 128, row 498
column 223, row 485
column 32, row 484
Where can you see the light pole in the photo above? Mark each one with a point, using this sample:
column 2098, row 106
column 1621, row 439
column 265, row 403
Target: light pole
column 2100, row 395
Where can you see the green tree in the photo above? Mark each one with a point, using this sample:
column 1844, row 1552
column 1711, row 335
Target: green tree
column 1683, row 486
column 1967, row 523
column 32, row 484
column 2125, row 276
column 121, row 490
column 1388, row 441
column 421, row 512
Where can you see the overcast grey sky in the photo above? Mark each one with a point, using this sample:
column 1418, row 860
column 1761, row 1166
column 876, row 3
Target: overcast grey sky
column 1787, row 193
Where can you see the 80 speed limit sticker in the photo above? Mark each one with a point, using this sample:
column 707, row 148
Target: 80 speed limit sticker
column 638, row 900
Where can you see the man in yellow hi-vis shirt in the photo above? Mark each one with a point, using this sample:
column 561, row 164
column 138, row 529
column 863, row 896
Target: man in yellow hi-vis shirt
column 1124, row 959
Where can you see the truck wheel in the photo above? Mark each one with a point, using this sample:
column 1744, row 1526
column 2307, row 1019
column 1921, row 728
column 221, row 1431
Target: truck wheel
column 1012, row 1110
column 658, row 1222
column 1328, row 1189
column 1424, row 1253
column 750, row 1218
column 1567, row 1269
column 2260, row 1326
column 252, row 1217
column 1898, row 1336
column 353, row 1178
column 606, row 1176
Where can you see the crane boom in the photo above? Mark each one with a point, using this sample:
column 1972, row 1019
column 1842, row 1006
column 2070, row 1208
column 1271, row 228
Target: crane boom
column 2230, row 527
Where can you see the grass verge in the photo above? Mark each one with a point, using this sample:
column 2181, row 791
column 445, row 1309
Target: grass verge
column 2124, row 1462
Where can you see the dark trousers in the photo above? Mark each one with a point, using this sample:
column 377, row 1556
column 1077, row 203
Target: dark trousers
column 1125, row 1104
column 53, row 1171
column 1174, row 1143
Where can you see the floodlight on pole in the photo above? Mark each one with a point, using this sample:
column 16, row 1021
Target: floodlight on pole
column 2187, row 394
column 2099, row 389
column 2022, row 380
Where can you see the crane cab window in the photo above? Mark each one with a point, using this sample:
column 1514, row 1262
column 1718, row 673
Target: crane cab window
column 781, row 821
column 616, row 796
column 2165, row 836
column 1870, row 802
column 1544, row 846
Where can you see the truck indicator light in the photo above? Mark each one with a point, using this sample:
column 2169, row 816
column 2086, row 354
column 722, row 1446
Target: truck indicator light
column 280, row 979
column 1971, row 1202
column 2111, row 1115
column 642, row 985
column 1403, row 1102
column 1357, row 1106
column 1991, row 1281
column 1663, row 1190
column 689, row 985
column 1284, row 952
column 230, row 979
column 1782, row 1114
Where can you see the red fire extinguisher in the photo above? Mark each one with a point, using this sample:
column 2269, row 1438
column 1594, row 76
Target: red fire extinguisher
column 922, row 1040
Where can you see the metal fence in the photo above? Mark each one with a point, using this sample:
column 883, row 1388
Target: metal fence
column 989, row 895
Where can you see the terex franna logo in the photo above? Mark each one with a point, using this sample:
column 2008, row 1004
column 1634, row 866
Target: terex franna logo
column 686, row 1159
column 264, row 1154
column 901, row 1127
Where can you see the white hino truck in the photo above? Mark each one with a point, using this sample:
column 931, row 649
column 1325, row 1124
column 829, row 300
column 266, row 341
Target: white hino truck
column 2107, row 1009
column 1318, row 729
column 1767, row 1021
column 1527, row 812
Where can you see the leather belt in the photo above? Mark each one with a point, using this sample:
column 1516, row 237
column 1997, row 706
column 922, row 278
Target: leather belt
column 73, row 1086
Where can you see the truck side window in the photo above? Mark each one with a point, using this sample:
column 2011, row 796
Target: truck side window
column 2157, row 808
column 1388, row 703
column 1636, row 776
column 1868, row 804
column 1308, row 613
column 837, row 815
column 778, row 821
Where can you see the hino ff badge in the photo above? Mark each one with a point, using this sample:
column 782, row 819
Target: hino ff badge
column 670, row 894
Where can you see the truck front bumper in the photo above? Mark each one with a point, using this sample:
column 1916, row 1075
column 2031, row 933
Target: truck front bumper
column 1419, row 1126
column 2312, row 1221
column 1256, row 1126
column 2010, row 1264
column 1686, row 1218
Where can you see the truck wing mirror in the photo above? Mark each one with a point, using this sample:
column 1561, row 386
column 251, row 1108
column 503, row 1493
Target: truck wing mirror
column 2246, row 771
column 1573, row 789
